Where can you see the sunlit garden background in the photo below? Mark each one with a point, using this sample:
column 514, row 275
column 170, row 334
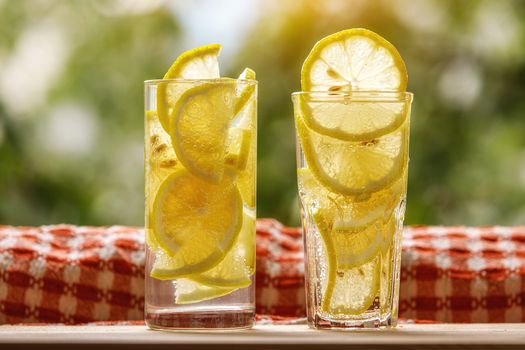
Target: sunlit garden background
column 71, row 99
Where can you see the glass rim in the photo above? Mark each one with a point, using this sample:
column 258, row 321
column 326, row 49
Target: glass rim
column 360, row 95
column 194, row 81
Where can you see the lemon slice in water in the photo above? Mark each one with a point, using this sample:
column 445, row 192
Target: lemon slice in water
column 236, row 269
column 344, row 116
column 195, row 222
column 201, row 120
column 190, row 292
column 354, row 168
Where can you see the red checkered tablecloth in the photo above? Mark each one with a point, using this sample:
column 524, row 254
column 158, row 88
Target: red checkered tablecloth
column 279, row 270
column 71, row 274
column 463, row 274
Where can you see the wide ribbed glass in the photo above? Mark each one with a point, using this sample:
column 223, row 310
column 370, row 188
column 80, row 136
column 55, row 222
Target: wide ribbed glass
column 352, row 160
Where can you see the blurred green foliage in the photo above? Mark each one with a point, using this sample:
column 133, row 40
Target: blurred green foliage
column 466, row 63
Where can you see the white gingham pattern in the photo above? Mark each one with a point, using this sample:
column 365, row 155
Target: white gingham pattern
column 71, row 274
column 463, row 274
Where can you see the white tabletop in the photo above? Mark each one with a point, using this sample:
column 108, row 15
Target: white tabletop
column 435, row 336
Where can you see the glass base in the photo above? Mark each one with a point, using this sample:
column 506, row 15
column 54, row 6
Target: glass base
column 222, row 319
column 319, row 322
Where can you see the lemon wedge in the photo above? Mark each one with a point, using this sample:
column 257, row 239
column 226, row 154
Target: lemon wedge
column 199, row 63
column 246, row 91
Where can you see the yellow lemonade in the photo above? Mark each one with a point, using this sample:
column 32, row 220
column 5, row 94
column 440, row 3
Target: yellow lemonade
column 200, row 154
column 352, row 122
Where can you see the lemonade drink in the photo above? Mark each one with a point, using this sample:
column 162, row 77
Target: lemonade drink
column 352, row 154
column 200, row 154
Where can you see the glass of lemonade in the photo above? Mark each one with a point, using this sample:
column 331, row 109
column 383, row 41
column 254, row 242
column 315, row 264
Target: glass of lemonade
column 352, row 193
column 200, row 158
column 352, row 125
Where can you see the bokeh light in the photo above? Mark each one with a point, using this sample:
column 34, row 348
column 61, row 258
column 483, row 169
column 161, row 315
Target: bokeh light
column 71, row 99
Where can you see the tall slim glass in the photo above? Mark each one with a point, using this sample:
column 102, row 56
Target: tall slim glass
column 200, row 159
column 352, row 160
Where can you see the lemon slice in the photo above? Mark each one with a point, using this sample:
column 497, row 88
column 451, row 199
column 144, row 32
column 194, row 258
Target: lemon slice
column 201, row 119
column 353, row 248
column 354, row 168
column 350, row 247
column 353, row 290
column 195, row 222
column 358, row 228
column 391, row 227
column 346, row 291
column 238, row 148
column 325, row 257
column 242, row 142
column 237, row 267
column 354, row 234
column 245, row 91
column 190, row 292
column 353, row 213
column 160, row 155
column 385, row 288
column 353, row 59
column 349, row 119
column 247, row 176
column 199, row 63
column 343, row 212
column 160, row 162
